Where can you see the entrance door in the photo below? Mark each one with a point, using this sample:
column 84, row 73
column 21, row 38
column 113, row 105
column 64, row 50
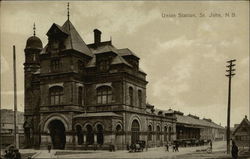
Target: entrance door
column 135, row 129
column 57, row 134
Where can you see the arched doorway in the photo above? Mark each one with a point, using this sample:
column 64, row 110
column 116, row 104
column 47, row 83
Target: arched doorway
column 135, row 129
column 90, row 135
column 57, row 134
column 99, row 134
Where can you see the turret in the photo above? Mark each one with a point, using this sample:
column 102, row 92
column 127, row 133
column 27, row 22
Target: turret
column 31, row 66
column 33, row 48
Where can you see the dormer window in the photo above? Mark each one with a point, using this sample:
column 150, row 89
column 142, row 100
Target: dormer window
column 104, row 65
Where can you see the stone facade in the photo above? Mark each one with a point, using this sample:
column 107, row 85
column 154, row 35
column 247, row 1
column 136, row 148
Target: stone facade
column 80, row 96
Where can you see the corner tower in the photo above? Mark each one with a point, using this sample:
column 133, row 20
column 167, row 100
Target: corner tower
column 32, row 90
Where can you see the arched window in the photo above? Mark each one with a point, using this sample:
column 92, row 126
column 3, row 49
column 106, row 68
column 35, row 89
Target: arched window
column 90, row 135
column 131, row 94
column 79, row 134
column 80, row 95
column 104, row 95
column 118, row 128
column 56, row 95
column 158, row 131
column 100, row 134
column 140, row 98
column 165, row 133
column 150, row 133
column 135, row 129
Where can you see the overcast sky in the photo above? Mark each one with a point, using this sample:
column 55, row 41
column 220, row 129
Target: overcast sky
column 184, row 58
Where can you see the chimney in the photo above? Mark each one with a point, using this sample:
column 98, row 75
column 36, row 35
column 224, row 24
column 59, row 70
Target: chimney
column 97, row 36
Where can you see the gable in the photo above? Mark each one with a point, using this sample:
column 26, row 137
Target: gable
column 56, row 29
column 243, row 128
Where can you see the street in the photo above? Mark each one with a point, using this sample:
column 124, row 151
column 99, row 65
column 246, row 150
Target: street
column 157, row 152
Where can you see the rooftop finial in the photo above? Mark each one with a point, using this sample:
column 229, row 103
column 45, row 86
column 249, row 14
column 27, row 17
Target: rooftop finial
column 34, row 29
column 68, row 11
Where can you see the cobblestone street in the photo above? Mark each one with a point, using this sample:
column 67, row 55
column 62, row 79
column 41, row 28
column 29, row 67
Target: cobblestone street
column 159, row 152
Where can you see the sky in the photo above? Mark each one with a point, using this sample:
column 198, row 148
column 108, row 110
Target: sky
column 184, row 57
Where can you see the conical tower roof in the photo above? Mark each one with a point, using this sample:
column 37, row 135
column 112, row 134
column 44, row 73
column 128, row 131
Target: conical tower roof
column 74, row 40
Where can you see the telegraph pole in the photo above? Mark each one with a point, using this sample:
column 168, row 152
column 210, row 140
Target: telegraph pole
column 230, row 74
column 16, row 141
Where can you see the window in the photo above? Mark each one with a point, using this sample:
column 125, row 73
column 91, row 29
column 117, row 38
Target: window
column 169, row 133
column 149, row 133
column 56, row 94
column 89, row 135
column 100, row 137
column 55, row 65
column 104, row 95
column 104, row 65
column 79, row 134
column 130, row 96
column 80, row 95
column 158, row 130
column 135, row 130
column 140, row 98
column 80, row 66
column 165, row 133
column 118, row 128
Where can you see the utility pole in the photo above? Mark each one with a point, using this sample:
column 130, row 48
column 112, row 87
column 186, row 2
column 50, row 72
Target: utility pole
column 230, row 74
column 16, row 141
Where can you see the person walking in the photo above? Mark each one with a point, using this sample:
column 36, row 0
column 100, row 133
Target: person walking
column 234, row 150
column 211, row 145
column 49, row 148
column 177, row 147
column 167, row 147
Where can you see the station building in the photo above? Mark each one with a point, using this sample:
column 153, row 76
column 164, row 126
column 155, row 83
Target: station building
column 84, row 96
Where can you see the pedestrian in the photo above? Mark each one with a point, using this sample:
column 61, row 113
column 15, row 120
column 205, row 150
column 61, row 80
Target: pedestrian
column 173, row 146
column 177, row 147
column 128, row 147
column 234, row 150
column 211, row 145
column 49, row 148
column 167, row 147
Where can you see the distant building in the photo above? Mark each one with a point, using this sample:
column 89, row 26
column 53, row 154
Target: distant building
column 7, row 126
column 241, row 134
column 192, row 127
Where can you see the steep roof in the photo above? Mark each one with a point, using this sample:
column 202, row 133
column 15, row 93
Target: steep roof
column 245, row 120
column 73, row 39
column 105, row 47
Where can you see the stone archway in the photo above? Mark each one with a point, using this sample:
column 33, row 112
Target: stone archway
column 57, row 134
column 135, row 131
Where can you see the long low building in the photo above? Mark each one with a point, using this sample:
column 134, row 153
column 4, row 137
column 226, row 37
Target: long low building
column 192, row 127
